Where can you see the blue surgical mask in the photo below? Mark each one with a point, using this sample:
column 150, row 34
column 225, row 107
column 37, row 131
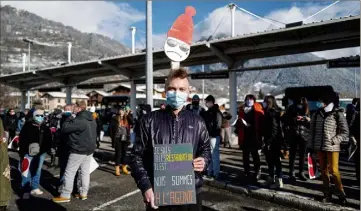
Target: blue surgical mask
column 319, row 105
column 249, row 103
column 39, row 119
column 67, row 113
column 300, row 106
column 290, row 102
column 264, row 104
column 176, row 99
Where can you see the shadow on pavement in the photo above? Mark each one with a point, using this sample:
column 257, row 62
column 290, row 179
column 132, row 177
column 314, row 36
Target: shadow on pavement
column 35, row 203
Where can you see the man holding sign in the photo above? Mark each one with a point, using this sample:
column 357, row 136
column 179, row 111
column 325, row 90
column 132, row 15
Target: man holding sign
column 170, row 152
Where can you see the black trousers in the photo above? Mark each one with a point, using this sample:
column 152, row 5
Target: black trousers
column 273, row 158
column 12, row 134
column 256, row 160
column 357, row 164
column 298, row 144
column 120, row 151
column 190, row 207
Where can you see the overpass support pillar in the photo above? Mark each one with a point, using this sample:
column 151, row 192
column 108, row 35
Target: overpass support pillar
column 133, row 98
column 68, row 91
column 233, row 95
column 23, row 100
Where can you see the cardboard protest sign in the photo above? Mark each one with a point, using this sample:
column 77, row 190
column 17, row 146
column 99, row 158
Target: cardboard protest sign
column 174, row 181
column 179, row 37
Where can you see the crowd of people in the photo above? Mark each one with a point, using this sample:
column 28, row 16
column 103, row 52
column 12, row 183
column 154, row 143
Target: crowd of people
column 73, row 135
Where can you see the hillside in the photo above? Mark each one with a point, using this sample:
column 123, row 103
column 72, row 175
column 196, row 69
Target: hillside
column 17, row 24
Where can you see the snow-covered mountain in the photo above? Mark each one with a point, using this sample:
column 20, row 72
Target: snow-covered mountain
column 17, row 24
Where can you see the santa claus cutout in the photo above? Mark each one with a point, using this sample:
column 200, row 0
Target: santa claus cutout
column 179, row 38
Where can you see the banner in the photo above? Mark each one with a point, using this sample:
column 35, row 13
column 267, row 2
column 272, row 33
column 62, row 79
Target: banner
column 25, row 166
column 312, row 167
column 174, row 180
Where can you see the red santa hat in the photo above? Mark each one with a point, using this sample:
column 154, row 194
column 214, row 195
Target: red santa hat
column 182, row 28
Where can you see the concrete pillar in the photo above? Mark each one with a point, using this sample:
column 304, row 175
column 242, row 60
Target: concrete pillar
column 68, row 94
column 23, row 100
column 133, row 98
column 233, row 75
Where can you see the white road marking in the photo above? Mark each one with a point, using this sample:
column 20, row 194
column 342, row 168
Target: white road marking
column 117, row 199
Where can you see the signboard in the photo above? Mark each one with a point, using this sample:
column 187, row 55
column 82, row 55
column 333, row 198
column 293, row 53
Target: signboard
column 343, row 63
column 174, row 181
column 210, row 75
column 155, row 81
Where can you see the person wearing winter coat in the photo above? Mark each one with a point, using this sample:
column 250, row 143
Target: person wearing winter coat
column 297, row 123
column 121, row 128
column 82, row 143
column 11, row 124
column 249, row 129
column 328, row 129
column 5, row 190
column 355, row 139
column 35, row 140
column 213, row 119
column 273, row 141
column 226, row 128
column 174, row 125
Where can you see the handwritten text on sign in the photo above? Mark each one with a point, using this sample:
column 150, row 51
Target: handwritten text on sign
column 174, row 182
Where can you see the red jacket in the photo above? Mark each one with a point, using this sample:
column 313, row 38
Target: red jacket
column 258, row 115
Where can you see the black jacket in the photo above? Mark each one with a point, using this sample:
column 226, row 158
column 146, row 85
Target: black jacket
column 213, row 119
column 31, row 133
column 82, row 133
column 272, row 132
column 163, row 127
column 294, row 127
column 11, row 122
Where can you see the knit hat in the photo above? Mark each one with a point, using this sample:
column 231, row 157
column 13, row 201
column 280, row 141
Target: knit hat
column 182, row 28
column 195, row 97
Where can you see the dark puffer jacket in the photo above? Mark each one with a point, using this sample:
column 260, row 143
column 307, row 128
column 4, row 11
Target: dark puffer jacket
column 294, row 127
column 82, row 131
column 163, row 127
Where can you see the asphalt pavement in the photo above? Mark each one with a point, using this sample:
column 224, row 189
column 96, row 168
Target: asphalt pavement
column 108, row 192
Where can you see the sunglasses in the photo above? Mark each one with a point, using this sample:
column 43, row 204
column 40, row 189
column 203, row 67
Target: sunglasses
column 182, row 47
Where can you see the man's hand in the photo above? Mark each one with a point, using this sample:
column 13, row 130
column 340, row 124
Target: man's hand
column 149, row 198
column 199, row 164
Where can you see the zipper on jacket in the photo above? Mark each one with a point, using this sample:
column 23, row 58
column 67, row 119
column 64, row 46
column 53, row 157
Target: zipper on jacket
column 323, row 130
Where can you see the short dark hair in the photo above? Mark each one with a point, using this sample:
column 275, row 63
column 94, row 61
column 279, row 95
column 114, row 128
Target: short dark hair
column 250, row 96
column 177, row 73
column 210, row 98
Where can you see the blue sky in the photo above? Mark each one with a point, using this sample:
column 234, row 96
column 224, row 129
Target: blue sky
column 165, row 12
column 114, row 18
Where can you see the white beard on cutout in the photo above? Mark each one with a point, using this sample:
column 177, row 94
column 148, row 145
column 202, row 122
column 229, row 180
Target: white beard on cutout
column 176, row 50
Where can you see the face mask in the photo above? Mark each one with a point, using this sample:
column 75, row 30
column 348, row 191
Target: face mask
column 290, row 102
column 67, row 113
column 39, row 119
column 264, row 104
column 249, row 103
column 195, row 103
column 319, row 105
column 299, row 106
column 329, row 107
column 209, row 105
column 176, row 99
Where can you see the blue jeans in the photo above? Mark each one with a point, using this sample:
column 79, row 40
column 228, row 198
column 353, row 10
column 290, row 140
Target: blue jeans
column 33, row 178
column 214, row 166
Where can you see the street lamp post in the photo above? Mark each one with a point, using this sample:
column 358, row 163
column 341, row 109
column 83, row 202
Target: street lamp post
column 29, row 43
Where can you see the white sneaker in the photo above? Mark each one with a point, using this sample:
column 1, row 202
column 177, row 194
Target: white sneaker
column 36, row 192
column 280, row 183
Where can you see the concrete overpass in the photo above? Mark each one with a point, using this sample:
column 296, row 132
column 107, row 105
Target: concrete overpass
column 233, row 51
